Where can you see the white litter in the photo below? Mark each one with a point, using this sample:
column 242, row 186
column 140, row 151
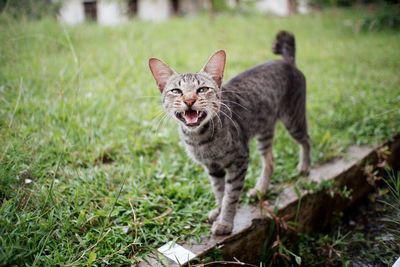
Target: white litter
column 176, row 253
column 397, row 263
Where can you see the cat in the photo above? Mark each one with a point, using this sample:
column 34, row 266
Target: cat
column 217, row 121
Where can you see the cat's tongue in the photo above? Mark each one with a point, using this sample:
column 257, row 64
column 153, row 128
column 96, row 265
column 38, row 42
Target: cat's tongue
column 191, row 116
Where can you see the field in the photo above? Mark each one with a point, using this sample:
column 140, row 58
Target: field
column 91, row 173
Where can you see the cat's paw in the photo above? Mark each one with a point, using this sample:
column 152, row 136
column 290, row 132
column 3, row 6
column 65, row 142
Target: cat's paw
column 303, row 169
column 221, row 228
column 213, row 215
column 255, row 193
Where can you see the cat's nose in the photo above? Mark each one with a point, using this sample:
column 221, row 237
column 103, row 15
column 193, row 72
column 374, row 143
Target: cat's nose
column 189, row 102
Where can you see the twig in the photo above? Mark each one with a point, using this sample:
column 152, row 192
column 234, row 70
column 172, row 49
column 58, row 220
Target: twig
column 165, row 213
column 237, row 262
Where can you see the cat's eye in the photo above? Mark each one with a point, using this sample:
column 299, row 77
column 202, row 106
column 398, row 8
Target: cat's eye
column 202, row 89
column 176, row 91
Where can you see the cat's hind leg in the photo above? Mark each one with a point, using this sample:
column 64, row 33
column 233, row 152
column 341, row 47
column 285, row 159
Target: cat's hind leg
column 265, row 147
column 297, row 127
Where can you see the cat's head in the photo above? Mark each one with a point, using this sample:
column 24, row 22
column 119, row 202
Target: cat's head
column 191, row 98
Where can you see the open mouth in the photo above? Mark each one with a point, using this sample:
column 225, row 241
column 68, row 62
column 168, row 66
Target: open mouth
column 191, row 117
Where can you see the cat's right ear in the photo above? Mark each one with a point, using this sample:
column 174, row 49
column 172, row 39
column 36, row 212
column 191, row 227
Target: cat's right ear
column 161, row 72
column 215, row 66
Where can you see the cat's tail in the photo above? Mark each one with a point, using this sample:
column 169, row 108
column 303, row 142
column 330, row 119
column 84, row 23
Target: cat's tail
column 285, row 45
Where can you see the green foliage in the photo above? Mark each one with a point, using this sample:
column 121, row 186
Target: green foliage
column 324, row 3
column 369, row 236
column 348, row 3
column 327, row 186
column 91, row 172
column 275, row 251
column 219, row 5
column 323, row 250
column 30, row 9
column 393, row 221
column 387, row 17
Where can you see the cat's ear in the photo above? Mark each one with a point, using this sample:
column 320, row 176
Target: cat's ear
column 215, row 66
column 161, row 72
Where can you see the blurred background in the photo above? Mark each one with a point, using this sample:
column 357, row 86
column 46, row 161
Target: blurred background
column 112, row 12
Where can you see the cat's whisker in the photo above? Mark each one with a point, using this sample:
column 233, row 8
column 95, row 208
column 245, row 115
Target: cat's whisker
column 212, row 123
column 233, row 122
column 226, row 115
column 219, row 119
column 217, row 115
column 159, row 113
column 238, row 95
column 233, row 102
column 230, row 110
column 155, row 124
column 166, row 115
column 234, row 92
column 167, row 118
column 158, row 117
column 145, row 97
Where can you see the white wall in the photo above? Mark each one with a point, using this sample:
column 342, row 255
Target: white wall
column 111, row 12
column 72, row 12
column 154, row 10
column 276, row 7
column 303, row 7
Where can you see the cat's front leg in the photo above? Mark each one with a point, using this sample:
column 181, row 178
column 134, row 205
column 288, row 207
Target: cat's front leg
column 217, row 178
column 234, row 181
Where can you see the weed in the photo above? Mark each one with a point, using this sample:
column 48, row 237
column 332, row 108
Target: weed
column 366, row 235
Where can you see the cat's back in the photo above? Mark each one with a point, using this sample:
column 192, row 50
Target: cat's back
column 272, row 73
column 259, row 94
column 265, row 84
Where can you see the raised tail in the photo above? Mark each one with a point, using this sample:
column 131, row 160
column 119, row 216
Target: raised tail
column 285, row 45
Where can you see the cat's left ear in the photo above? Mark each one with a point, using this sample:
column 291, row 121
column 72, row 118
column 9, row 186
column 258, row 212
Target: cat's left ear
column 215, row 66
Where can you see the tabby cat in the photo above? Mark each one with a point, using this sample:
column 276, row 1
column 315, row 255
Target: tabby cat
column 217, row 121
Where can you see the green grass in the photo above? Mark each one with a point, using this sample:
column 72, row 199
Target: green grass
column 80, row 117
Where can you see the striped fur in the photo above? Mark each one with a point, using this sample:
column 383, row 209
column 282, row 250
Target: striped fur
column 247, row 106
